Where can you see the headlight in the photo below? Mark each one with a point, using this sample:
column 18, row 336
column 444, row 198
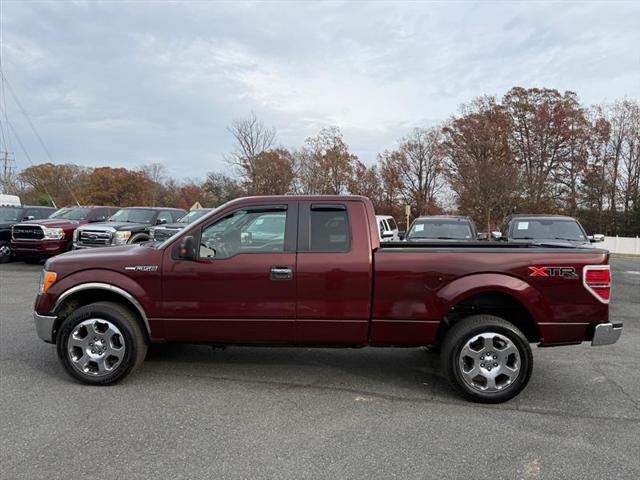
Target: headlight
column 76, row 232
column 46, row 280
column 120, row 238
column 53, row 233
column 152, row 233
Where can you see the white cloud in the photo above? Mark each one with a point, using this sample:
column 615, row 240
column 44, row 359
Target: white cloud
column 120, row 83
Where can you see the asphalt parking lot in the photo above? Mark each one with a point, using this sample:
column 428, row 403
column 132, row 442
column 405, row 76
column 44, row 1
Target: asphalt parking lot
column 193, row 412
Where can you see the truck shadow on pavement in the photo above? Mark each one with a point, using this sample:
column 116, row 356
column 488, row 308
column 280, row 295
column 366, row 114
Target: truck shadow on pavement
column 398, row 373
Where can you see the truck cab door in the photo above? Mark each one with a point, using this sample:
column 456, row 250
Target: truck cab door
column 334, row 273
column 241, row 287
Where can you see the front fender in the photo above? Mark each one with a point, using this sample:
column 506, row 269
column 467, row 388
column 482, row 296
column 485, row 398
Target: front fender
column 470, row 285
column 144, row 288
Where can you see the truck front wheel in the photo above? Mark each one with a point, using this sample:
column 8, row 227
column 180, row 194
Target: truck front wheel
column 487, row 359
column 101, row 343
column 5, row 252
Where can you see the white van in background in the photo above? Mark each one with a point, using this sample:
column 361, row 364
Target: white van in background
column 10, row 200
column 387, row 228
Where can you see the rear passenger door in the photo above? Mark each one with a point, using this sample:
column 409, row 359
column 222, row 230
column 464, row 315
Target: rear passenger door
column 334, row 273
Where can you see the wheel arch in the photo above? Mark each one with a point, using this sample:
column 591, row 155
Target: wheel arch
column 91, row 292
column 500, row 295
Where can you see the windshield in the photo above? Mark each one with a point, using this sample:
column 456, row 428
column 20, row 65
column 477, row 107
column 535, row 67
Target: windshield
column 193, row 215
column 440, row 229
column 9, row 214
column 133, row 215
column 71, row 213
column 547, row 229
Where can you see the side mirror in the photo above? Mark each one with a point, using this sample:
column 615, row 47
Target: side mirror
column 402, row 235
column 29, row 217
column 481, row 236
column 187, row 249
column 161, row 221
column 596, row 238
column 98, row 219
column 496, row 235
column 387, row 234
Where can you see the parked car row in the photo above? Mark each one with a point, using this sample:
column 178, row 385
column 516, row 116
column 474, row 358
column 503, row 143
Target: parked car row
column 33, row 233
column 556, row 230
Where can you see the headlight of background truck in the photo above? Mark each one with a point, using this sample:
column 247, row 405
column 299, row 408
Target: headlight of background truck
column 152, row 233
column 120, row 238
column 53, row 233
column 76, row 233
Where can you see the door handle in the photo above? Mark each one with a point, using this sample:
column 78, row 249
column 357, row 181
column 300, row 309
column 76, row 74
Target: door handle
column 281, row 273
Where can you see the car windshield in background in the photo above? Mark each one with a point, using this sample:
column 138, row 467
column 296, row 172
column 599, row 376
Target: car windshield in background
column 71, row 213
column 440, row 230
column 193, row 215
column 133, row 215
column 9, row 214
column 547, row 229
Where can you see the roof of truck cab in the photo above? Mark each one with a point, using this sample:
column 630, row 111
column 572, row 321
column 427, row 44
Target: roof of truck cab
column 437, row 217
column 303, row 198
column 540, row 215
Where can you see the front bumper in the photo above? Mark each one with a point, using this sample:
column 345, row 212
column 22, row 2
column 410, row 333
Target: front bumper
column 78, row 246
column 606, row 334
column 45, row 247
column 44, row 326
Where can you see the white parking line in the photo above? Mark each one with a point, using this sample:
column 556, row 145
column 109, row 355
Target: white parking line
column 631, row 272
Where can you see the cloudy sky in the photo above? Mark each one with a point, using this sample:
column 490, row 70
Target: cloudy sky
column 127, row 83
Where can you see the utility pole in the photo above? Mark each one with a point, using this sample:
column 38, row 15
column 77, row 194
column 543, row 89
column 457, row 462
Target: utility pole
column 7, row 170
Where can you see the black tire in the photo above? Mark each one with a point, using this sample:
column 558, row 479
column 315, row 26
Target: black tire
column 464, row 331
column 5, row 252
column 134, row 341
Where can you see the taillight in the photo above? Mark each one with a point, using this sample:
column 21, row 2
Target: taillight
column 597, row 279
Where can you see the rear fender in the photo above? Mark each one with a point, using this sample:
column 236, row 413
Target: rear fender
column 468, row 286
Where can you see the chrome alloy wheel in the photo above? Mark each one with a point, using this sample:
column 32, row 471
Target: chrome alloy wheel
column 489, row 362
column 5, row 250
column 96, row 347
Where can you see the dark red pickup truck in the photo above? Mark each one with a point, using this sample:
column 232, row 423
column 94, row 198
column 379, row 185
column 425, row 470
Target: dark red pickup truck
column 311, row 271
column 38, row 239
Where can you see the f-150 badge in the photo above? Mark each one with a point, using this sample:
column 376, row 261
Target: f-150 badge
column 142, row 268
column 566, row 272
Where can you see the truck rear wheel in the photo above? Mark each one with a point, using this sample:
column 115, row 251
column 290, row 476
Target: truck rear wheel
column 487, row 359
column 101, row 343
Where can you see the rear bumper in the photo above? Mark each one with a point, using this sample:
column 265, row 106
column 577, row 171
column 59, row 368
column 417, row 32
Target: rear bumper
column 44, row 326
column 39, row 247
column 606, row 334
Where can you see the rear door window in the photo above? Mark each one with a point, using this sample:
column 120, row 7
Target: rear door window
column 329, row 229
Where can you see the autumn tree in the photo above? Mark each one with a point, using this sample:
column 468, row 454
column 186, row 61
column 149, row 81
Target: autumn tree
column 416, row 169
column 156, row 172
column 365, row 181
column 273, row 173
column 116, row 186
column 540, row 135
column 219, row 188
column 479, row 162
column 50, row 183
column 251, row 139
column 325, row 164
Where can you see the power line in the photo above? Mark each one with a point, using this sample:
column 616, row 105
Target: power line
column 35, row 131
column 24, row 150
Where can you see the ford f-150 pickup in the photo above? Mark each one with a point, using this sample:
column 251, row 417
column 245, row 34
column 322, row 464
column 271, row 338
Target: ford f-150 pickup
column 311, row 271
